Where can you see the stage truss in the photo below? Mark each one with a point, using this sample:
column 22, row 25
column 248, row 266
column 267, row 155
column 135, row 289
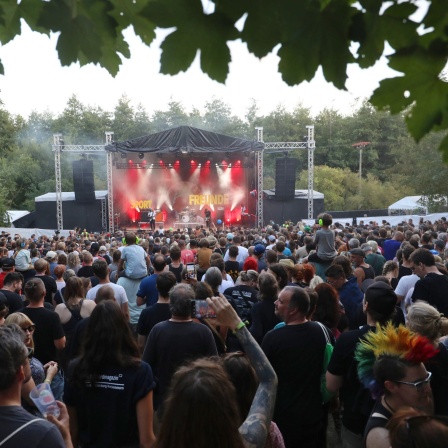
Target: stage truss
column 59, row 147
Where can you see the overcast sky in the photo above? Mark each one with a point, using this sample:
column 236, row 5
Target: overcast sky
column 35, row 80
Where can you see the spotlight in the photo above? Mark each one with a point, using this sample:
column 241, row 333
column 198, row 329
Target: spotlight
column 141, row 155
column 123, row 155
column 184, row 150
column 253, row 193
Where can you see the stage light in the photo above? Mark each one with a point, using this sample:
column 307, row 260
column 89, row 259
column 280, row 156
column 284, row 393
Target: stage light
column 253, row 193
column 230, row 165
column 141, row 155
column 199, row 165
column 191, row 162
column 152, row 165
column 184, row 150
column 123, row 155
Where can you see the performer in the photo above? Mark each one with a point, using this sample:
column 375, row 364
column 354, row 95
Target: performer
column 208, row 217
column 152, row 219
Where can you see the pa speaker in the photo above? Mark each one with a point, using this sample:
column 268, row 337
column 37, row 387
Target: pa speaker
column 83, row 181
column 285, row 177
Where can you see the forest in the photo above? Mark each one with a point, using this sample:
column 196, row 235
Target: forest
column 393, row 165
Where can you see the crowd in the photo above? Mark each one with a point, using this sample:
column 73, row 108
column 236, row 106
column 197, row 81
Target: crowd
column 232, row 337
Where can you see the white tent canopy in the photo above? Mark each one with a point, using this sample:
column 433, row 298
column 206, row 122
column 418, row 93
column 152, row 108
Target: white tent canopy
column 409, row 205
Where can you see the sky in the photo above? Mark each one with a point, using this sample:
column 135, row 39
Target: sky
column 35, row 80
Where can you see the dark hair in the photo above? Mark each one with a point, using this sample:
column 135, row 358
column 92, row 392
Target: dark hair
column 175, row 253
column 233, row 251
column 268, row 286
column 165, row 281
column 328, row 310
column 280, row 246
column 389, row 368
column 204, row 243
column 407, row 251
column 202, row 290
column 281, row 273
column 218, row 262
column 345, row 263
column 335, row 271
column 34, row 289
column 12, row 277
column 300, row 299
column 244, row 380
column 106, row 292
column 159, row 263
column 108, row 342
column 202, row 391
column 326, row 218
column 423, row 256
column 99, row 267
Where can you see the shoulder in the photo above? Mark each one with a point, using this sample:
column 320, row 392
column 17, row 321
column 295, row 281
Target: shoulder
column 378, row 437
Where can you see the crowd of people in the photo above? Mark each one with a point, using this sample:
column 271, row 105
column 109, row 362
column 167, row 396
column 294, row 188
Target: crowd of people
column 228, row 337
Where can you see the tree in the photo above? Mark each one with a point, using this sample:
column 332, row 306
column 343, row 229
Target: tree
column 305, row 36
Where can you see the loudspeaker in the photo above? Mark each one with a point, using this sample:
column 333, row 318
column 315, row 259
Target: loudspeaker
column 83, row 181
column 285, row 177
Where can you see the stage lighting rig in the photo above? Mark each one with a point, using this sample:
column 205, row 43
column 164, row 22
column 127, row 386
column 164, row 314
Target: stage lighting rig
column 123, row 155
column 141, row 155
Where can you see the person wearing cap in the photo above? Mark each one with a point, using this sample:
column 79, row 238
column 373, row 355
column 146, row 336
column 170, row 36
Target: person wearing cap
column 378, row 305
column 51, row 258
column 229, row 238
column 372, row 258
column 7, row 265
column 362, row 271
column 259, row 251
column 271, row 242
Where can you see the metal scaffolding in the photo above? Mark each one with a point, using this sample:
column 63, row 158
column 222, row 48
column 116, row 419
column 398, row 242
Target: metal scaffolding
column 274, row 147
column 58, row 147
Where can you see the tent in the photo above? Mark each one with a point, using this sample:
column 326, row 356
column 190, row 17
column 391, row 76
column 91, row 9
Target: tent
column 409, row 205
column 185, row 139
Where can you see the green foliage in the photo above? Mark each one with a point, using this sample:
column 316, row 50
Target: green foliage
column 307, row 36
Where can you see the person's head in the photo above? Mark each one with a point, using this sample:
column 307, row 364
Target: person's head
column 73, row 260
column 344, row 261
column 249, row 278
column 203, row 391
column 35, row 290
column 407, row 251
column 244, row 380
column 399, row 236
column 420, row 260
column 40, row 265
column 181, row 296
column 268, row 287
column 280, row 273
column 292, row 302
column 59, row 271
column 14, row 364
column 425, row 320
column 327, row 309
column 26, row 324
column 357, row 256
column 175, row 253
column 106, row 292
column 130, row 238
column 233, row 251
column 86, row 285
column 213, row 277
column 108, row 343
column 73, row 290
column 390, row 267
column 325, row 219
column 353, row 243
column 250, row 264
column 409, row 427
column 165, row 281
column 218, row 262
column 373, row 246
column 62, row 259
column 391, row 363
column 379, row 302
column 280, row 246
column 204, row 244
column 271, row 257
column 335, row 276
column 14, row 281
column 366, row 248
column 202, row 290
column 100, row 269
column 87, row 258
column 159, row 263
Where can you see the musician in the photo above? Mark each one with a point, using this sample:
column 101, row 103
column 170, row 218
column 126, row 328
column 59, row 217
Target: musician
column 208, row 217
column 152, row 218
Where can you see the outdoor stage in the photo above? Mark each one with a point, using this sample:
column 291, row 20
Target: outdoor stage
column 183, row 174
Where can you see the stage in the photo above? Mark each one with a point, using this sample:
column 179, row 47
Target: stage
column 186, row 176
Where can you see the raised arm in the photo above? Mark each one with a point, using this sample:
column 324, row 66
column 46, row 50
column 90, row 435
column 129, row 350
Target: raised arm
column 255, row 428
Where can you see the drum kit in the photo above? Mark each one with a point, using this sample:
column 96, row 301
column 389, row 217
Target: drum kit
column 188, row 215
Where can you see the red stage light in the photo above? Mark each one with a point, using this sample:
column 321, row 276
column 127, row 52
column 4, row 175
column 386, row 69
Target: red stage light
column 130, row 161
column 192, row 162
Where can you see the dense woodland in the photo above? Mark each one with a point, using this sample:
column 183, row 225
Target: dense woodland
column 393, row 164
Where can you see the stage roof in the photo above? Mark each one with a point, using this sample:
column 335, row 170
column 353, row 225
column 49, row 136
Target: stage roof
column 185, row 139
